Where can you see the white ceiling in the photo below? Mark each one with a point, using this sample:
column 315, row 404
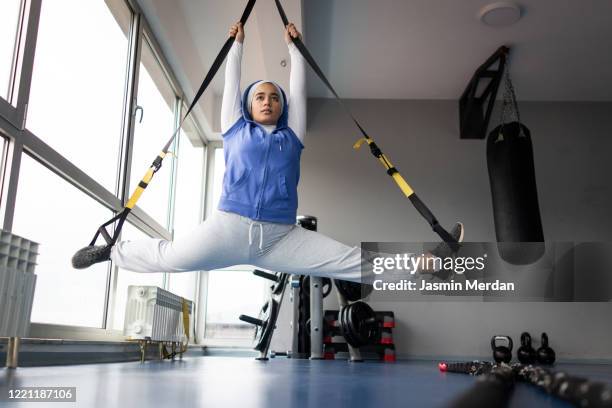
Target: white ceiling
column 397, row 49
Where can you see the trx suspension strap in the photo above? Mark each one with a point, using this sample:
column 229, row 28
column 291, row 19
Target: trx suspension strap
column 374, row 149
column 156, row 165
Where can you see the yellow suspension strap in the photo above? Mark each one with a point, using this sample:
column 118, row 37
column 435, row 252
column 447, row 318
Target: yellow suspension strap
column 392, row 171
column 156, row 165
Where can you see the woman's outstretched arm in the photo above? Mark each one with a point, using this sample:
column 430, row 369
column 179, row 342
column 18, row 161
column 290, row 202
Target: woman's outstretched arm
column 297, row 85
column 230, row 106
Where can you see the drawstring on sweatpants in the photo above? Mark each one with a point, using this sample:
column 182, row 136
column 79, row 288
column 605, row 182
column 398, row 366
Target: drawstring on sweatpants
column 260, row 234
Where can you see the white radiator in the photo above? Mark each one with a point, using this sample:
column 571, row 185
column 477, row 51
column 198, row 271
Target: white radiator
column 17, row 283
column 155, row 314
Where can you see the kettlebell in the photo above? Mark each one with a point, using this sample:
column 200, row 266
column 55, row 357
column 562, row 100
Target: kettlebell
column 546, row 355
column 526, row 353
column 501, row 353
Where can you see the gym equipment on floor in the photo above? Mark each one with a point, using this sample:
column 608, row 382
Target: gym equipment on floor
column 496, row 382
column 501, row 353
column 265, row 323
column 545, row 354
column 307, row 294
column 358, row 324
column 526, row 354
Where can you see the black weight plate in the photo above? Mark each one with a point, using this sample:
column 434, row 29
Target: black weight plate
column 359, row 326
column 264, row 332
column 263, row 316
column 352, row 339
column 341, row 321
column 355, row 325
column 361, row 322
column 344, row 329
column 352, row 335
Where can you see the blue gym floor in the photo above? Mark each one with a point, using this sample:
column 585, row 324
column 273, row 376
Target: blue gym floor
column 221, row 381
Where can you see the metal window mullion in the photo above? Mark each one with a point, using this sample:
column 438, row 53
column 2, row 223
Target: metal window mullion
column 27, row 59
column 22, row 64
column 10, row 114
column 125, row 152
column 129, row 106
column 201, row 285
column 11, row 164
column 173, row 178
column 174, row 170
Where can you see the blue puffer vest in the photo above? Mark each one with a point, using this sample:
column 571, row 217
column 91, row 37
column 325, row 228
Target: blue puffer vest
column 261, row 170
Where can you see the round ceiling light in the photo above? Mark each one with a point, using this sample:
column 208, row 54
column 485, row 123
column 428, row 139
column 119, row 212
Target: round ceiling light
column 501, row 13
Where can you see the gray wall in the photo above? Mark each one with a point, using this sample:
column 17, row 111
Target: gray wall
column 355, row 201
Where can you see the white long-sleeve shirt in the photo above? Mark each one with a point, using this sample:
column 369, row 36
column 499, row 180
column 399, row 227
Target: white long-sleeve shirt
column 231, row 105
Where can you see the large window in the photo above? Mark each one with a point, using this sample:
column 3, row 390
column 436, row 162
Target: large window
column 187, row 204
column 231, row 291
column 156, row 99
column 89, row 57
column 189, row 182
column 9, row 22
column 78, row 83
column 61, row 219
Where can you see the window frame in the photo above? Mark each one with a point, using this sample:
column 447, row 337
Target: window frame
column 14, row 109
column 20, row 140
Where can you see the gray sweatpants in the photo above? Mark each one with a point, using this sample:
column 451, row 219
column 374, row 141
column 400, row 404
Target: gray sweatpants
column 228, row 239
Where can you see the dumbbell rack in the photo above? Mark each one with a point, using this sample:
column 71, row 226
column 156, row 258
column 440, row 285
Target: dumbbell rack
column 360, row 324
column 382, row 348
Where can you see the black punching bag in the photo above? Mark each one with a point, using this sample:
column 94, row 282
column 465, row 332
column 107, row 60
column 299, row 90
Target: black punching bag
column 514, row 194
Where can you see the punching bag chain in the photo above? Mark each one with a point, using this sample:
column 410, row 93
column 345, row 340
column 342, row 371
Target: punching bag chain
column 510, row 105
